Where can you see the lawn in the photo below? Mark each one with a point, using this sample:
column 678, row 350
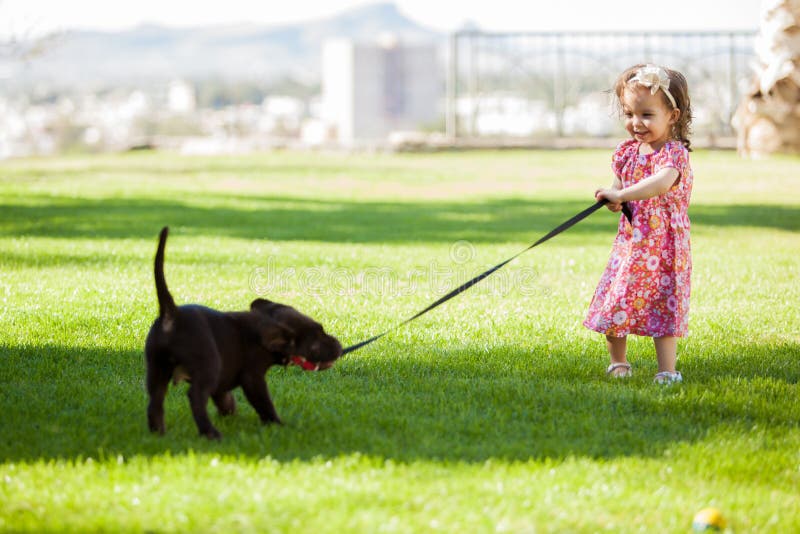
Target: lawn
column 491, row 413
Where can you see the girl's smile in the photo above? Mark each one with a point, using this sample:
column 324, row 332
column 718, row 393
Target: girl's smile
column 648, row 118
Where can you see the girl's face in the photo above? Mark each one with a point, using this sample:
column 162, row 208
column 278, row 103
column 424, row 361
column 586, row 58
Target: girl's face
column 648, row 118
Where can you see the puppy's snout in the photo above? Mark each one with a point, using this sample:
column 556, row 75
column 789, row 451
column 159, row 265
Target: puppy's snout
column 327, row 350
column 336, row 348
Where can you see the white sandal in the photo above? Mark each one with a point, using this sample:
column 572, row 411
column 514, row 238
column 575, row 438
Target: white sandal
column 619, row 365
column 668, row 377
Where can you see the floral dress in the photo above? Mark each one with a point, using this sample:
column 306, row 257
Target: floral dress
column 645, row 287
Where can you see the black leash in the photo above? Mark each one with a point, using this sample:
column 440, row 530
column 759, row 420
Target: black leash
column 466, row 285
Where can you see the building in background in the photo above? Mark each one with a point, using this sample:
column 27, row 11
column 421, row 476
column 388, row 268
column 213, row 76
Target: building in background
column 372, row 90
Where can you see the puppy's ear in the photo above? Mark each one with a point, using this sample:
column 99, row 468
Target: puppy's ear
column 276, row 336
column 262, row 305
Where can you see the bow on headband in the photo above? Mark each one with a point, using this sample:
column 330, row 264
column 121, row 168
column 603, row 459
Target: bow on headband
column 655, row 78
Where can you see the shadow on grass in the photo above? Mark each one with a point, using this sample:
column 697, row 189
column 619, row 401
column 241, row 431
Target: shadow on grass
column 755, row 216
column 280, row 219
column 423, row 404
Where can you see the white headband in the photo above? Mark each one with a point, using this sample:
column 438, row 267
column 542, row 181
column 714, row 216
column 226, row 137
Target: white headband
column 655, row 78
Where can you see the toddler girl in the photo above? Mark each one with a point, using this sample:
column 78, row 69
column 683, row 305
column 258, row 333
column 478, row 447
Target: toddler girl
column 645, row 287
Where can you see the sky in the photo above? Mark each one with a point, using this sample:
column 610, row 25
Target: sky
column 42, row 16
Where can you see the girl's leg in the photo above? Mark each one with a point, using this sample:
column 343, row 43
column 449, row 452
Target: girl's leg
column 617, row 350
column 666, row 353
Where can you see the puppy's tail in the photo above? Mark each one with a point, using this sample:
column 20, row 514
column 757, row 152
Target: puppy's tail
column 166, row 306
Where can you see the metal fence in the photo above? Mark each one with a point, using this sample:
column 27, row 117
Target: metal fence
column 529, row 86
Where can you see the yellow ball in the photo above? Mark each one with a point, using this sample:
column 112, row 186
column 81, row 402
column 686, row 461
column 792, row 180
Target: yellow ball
column 708, row 519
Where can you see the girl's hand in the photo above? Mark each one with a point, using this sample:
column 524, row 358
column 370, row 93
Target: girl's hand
column 613, row 197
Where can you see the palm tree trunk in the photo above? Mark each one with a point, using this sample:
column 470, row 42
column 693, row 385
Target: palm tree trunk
column 768, row 118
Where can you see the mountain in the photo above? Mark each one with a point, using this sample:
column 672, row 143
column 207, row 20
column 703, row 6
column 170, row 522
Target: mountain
column 151, row 53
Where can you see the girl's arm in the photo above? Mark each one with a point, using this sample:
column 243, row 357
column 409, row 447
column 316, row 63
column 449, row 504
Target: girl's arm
column 650, row 187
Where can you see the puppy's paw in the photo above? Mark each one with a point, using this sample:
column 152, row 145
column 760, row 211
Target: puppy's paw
column 226, row 405
column 156, row 427
column 212, row 434
column 274, row 420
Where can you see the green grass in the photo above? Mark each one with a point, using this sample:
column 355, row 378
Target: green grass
column 491, row 413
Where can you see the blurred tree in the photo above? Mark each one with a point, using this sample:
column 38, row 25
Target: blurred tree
column 217, row 93
column 288, row 86
column 19, row 40
column 768, row 119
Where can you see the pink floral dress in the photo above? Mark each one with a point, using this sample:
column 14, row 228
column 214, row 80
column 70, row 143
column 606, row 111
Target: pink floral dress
column 645, row 287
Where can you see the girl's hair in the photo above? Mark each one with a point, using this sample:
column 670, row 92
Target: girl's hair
column 679, row 90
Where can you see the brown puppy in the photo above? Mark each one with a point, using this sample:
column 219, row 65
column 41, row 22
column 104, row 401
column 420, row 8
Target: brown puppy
column 218, row 351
